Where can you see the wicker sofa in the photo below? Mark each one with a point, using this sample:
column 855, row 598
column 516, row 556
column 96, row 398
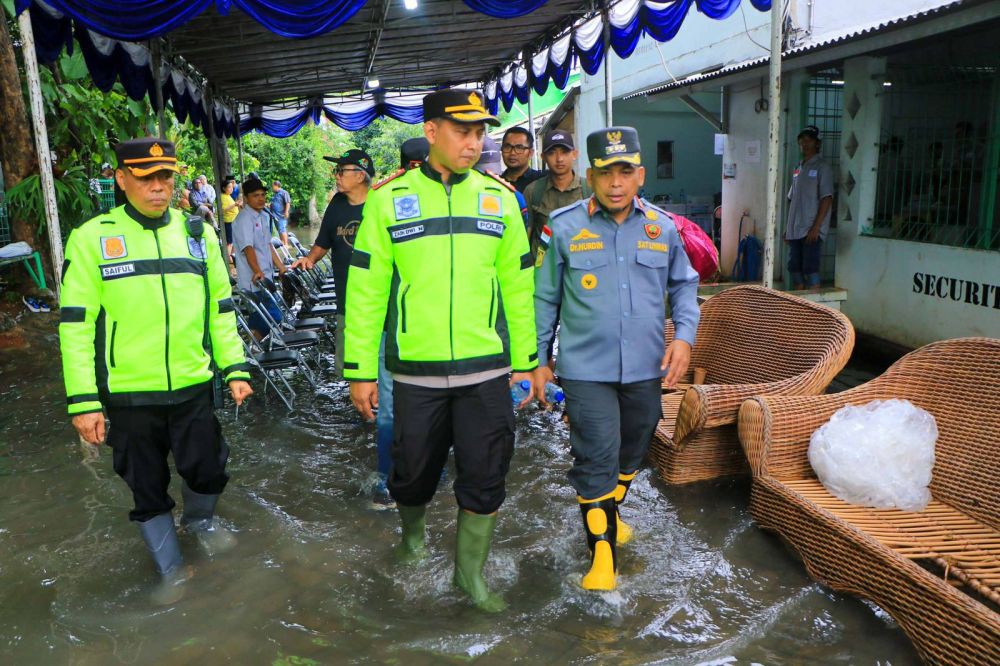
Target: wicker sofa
column 751, row 341
column 937, row 572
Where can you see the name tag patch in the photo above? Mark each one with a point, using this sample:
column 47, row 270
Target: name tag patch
column 495, row 228
column 113, row 247
column 117, row 270
column 649, row 245
column 407, row 232
column 407, row 206
column 490, row 204
column 812, row 173
column 587, row 246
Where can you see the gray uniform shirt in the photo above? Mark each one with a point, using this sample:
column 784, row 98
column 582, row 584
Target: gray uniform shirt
column 812, row 181
column 611, row 281
column 251, row 229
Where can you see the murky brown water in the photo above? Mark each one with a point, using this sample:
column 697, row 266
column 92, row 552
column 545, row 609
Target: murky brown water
column 313, row 580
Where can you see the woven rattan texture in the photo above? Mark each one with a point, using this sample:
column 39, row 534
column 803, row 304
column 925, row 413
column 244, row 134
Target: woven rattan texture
column 937, row 572
column 751, row 341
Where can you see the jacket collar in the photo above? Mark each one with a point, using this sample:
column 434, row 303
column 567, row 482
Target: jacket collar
column 435, row 175
column 147, row 223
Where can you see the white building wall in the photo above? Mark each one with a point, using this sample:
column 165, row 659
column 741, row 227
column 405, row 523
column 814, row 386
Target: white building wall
column 885, row 278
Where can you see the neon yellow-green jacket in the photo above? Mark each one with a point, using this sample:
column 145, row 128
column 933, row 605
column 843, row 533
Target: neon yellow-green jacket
column 132, row 313
column 451, row 270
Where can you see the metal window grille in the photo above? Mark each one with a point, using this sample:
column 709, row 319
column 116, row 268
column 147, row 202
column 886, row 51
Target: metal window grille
column 107, row 196
column 823, row 106
column 938, row 154
column 4, row 224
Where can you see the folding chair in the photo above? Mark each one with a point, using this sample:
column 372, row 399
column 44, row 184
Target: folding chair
column 279, row 339
column 270, row 364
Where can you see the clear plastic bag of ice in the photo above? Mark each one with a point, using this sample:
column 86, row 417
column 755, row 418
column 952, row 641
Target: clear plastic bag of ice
column 880, row 454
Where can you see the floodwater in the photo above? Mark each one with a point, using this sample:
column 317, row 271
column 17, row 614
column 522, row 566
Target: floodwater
column 313, row 580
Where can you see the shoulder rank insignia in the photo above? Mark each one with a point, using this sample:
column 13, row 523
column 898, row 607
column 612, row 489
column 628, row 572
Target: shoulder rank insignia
column 388, row 179
column 500, row 180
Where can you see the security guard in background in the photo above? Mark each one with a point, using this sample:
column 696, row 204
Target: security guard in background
column 608, row 262
column 134, row 331
column 443, row 252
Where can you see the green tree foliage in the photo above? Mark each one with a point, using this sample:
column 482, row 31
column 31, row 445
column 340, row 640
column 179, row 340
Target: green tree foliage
column 83, row 124
column 382, row 140
column 297, row 161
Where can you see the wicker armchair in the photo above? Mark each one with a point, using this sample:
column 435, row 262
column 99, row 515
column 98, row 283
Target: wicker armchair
column 937, row 572
column 751, row 341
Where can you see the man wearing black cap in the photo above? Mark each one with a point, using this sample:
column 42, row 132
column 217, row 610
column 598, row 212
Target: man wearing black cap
column 442, row 262
column 146, row 311
column 810, row 199
column 255, row 256
column 609, row 261
column 353, row 173
column 559, row 188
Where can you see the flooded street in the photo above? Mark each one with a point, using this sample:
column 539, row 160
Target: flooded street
column 313, row 580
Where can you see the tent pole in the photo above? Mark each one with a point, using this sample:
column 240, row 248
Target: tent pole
column 774, row 137
column 156, row 55
column 531, row 129
column 239, row 139
column 42, row 146
column 608, row 116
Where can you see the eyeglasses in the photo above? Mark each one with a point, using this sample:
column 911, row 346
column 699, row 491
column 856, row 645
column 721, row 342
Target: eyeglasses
column 340, row 171
column 508, row 148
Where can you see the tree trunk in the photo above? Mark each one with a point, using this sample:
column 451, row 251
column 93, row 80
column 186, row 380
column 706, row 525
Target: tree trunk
column 17, row 148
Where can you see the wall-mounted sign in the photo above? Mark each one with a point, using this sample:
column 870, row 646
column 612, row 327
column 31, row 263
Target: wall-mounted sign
column 729, row 170
column 751, row 151
column 956, row 289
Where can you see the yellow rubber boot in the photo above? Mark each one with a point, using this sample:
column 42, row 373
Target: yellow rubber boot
column 624, row 534
column 600, row 525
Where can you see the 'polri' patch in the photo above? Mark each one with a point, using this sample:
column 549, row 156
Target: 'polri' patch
column 407, row 206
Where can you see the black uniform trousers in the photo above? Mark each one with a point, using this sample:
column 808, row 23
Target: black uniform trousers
column 611, row 426
column 142, row 437
column 478, row 420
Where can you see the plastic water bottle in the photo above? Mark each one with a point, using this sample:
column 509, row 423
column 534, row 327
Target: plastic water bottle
column 520, row 391
column 554, row 394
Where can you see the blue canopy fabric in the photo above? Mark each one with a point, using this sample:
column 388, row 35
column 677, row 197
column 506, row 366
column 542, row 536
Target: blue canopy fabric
column 107, row 30
column 505, row 8
column 350, row 115
column 137, row 20
column 630, row 20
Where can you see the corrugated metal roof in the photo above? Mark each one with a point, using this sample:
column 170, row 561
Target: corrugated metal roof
column 823, row 42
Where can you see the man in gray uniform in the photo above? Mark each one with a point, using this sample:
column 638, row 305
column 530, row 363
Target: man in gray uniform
column 810, row 200
column 608, row 262
column 255, row 256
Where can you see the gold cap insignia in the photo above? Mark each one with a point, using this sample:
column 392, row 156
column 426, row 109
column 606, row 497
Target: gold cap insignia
column 614, row 137
column 474, row 99
column 155, row 150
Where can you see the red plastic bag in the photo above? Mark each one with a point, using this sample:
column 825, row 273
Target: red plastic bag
column 699, row 247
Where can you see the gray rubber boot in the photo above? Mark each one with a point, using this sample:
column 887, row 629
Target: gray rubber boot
column 161, row 540
column 199, row 519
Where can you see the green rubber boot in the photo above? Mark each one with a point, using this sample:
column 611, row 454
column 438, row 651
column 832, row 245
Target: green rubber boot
column 472, row 547
column 412, row 549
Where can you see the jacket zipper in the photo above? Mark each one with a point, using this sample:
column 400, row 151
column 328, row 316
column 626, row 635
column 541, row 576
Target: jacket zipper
column 451, row 300
column 402, row 307
column 493, row 301
column 166, row 311
column 114, row 330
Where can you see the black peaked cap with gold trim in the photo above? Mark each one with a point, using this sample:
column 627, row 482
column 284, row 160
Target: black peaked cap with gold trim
column 145, row 156
column 460, row 105
column 613, row 145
